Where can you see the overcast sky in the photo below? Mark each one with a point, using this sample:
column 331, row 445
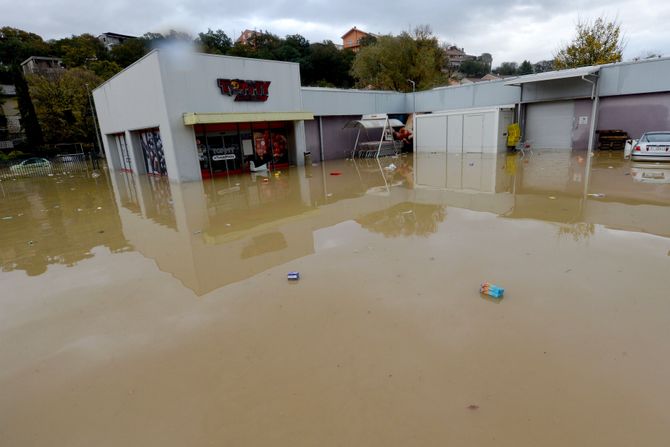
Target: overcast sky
column 508, row 29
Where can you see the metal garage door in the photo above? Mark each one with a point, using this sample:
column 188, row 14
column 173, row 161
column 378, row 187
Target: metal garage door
column 549, row 124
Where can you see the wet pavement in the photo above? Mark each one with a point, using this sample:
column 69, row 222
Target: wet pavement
column 138, row 312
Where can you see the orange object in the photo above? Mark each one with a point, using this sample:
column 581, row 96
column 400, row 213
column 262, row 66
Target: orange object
column 336, row 173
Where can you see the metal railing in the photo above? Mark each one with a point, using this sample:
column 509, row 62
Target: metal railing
column 61, row 164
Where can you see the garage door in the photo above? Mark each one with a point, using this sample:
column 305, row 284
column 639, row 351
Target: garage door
column 549, row 125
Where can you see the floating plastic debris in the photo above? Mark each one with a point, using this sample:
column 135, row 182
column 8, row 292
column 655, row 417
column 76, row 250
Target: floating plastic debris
column 293, row 276
column 491, row 290
column 552, row 198
column 391, row 167
column 8, row 218
column 597, row 195
column 336, row 173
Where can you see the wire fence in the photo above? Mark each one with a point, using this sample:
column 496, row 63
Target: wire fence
column 48, row 166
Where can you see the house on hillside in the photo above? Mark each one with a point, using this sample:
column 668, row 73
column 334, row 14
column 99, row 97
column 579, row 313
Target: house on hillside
column 42, row 65
column 456, row 56
column 112, row 39
column 352, row 39
column 246, row 36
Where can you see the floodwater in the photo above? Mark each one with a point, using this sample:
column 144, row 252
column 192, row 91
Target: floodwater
column 137, row 312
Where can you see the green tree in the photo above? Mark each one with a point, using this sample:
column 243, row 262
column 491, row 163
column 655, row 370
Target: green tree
column 507, row 69
column 29, row 120
column 78, row 51
column 525, row 68
column 129, row 51
column 597, row 42
column 62, row 105
column 17, row 45
column 392, row 60
column 104, row 69
column 326, row 66
column 214, row 42
column 474, row 68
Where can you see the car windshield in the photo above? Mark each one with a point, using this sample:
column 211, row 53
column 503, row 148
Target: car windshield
column 656, row 137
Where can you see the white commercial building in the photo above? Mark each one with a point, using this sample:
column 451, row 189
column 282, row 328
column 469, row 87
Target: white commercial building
column 189, row 115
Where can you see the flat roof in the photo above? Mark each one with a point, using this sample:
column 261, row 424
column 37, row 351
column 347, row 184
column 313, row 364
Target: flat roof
column 555, row 75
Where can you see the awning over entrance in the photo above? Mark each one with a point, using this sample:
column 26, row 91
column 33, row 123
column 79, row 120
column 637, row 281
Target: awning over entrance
column 193, row 118
column 554, row 75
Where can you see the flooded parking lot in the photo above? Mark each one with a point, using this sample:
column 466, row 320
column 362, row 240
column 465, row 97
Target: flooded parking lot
column 139, row 312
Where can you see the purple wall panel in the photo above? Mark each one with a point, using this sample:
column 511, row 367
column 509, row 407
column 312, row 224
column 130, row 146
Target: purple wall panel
column 635, row 114
column 312, row 138
column 338, row 142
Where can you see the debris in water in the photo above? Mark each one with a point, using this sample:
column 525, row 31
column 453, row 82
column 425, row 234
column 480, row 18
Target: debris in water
column 99, row 208
column 79, row 209
column 552, row 198
column 391, row 167
column 598, row 195
column 610, row 167
column 491, row 290
column 227, row 224
column 30, row 243
column 335, row 173
column 197, row 232
column 95, row 174
column 8, row 218
column 293, row 276
column 471, row 163
column 473, row 407
column 101, row 231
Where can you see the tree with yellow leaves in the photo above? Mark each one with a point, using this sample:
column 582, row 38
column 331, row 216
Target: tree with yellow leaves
column 597, row 42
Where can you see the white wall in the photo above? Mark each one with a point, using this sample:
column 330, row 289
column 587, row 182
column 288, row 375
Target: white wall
column 132, row 100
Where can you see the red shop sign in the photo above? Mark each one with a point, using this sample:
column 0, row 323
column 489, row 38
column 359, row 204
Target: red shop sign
column 244, row 90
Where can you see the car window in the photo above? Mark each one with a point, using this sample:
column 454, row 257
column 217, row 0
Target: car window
column 30, row 161
column 656, row 137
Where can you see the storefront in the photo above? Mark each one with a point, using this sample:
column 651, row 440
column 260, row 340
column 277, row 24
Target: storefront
column 190, row 116
column 230, row 148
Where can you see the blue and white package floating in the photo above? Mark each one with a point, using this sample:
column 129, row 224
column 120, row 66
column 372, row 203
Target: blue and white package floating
column 293, row 276
column 491, row 290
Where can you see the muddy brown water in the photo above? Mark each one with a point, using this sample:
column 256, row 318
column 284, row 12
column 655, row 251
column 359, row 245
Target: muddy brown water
column 142, row 313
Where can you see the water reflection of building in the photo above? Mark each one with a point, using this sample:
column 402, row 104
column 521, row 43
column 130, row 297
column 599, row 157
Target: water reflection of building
column 209, row 234
column 556, row 186
column 56, row 220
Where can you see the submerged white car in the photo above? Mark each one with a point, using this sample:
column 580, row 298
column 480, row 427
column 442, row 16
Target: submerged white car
column 652, row 146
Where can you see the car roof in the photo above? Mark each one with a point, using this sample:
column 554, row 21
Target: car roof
column 657, row 131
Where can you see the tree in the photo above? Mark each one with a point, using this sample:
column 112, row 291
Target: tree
column 525, row 68
column 17, row 45
column 78, row 51
column 214, row 42
column 507, row 69
column 326, row 66
column 392, row 60
column 596, row 42
column 474, row 68
column 62, row 105
column 29, row 120
column 104, row 69
column 129, row 51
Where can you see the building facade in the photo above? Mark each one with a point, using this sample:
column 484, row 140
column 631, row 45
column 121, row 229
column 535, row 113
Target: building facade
column 351, row 40
column 191, row 116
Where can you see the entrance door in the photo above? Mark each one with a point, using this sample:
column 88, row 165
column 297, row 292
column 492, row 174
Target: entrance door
column 549, row 125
